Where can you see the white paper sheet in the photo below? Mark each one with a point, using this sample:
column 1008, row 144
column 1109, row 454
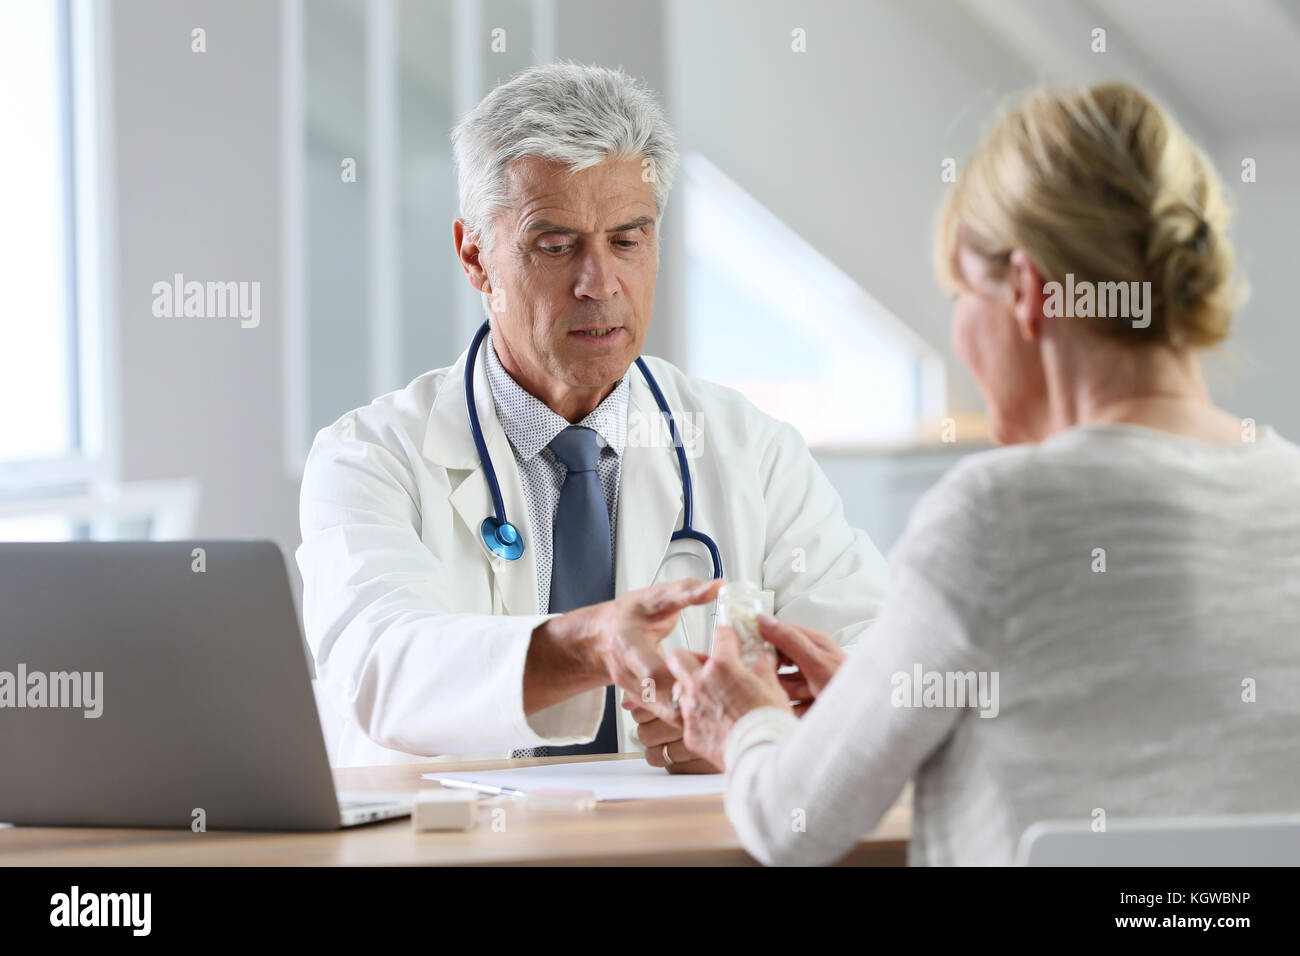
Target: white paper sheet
column 609, row 779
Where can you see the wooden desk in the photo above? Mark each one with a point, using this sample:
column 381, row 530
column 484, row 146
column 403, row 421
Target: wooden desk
column 683, row 831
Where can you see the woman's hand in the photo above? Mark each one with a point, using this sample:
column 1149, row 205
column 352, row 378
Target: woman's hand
column 816, row 655
column 713, row 695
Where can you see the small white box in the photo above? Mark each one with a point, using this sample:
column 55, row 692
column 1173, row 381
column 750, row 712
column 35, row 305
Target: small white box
column 444, row 809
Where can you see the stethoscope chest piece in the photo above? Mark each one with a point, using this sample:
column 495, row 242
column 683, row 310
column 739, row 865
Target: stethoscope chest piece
column 502, row 538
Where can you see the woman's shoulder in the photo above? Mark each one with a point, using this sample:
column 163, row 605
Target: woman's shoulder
column 980, row 478
column 967, row 508
column 1083, row 468
column 988, row 489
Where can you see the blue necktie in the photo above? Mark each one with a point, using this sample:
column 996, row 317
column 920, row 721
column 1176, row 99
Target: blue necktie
column 582, row 562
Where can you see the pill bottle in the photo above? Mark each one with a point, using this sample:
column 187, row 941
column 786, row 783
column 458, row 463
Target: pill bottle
column 739, row 605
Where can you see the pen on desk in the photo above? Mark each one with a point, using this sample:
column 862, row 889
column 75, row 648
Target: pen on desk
column 481, row 787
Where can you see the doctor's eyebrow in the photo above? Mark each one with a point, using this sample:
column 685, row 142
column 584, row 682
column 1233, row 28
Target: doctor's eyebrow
column 543, row 225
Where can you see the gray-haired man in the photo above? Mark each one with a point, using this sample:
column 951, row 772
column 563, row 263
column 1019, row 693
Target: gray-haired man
column 435, row 634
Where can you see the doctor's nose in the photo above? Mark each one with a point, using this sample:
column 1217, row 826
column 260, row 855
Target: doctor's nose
column 597, row 278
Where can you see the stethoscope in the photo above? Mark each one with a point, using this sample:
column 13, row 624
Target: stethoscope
column 503, row 539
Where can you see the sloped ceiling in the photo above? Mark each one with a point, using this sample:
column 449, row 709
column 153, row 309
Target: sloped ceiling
column 1229, row 70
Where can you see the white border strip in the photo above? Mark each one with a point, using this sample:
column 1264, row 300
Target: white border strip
column 94, row 151
column 385, row 272
column 293, row 343
column 467, row 55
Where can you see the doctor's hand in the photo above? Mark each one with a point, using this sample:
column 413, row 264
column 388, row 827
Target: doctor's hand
column 635, row 623
column 817, row 656
column 612, row 642
column 658, row 736
column 713, row 695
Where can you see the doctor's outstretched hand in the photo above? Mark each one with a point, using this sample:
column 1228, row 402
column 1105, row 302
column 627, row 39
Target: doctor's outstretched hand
column 717, row 692
column 614, row 642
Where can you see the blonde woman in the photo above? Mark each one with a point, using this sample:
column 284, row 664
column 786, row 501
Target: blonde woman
column 1103, row 615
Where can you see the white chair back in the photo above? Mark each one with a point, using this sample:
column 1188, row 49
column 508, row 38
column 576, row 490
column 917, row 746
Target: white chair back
column 1246, row 840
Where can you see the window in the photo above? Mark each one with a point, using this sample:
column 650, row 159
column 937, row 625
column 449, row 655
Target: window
column 54, row 331
column 770, row 316
column 38, row 360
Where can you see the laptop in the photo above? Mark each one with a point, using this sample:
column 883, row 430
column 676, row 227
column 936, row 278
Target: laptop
column 162, row 684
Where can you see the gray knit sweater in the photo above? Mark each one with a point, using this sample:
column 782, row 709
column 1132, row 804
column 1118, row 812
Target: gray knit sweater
column 1127, row 600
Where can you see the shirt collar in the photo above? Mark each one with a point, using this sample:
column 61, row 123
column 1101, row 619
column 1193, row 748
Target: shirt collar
column 531, row 424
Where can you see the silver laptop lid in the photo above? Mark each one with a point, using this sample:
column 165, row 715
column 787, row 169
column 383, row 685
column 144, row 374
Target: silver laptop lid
column 156, row 684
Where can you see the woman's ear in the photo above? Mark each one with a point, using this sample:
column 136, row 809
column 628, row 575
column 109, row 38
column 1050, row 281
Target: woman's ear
column 1027, row 295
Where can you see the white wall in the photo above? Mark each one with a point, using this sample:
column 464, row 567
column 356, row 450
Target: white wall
column 1255, row 375
column 844, row 142
column 198, row 192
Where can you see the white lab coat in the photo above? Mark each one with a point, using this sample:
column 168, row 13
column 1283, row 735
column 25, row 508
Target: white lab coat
column 420, row 635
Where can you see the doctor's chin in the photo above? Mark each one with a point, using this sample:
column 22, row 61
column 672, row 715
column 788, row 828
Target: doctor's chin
column 672, row 434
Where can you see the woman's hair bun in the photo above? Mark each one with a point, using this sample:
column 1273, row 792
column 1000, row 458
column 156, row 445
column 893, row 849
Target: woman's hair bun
column 1102, row 184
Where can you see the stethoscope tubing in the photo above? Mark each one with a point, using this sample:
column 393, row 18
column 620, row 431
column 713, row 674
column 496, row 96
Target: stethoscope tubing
column 476, row 430
column 686, row 532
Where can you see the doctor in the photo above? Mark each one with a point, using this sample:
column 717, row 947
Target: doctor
column 488, row 555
